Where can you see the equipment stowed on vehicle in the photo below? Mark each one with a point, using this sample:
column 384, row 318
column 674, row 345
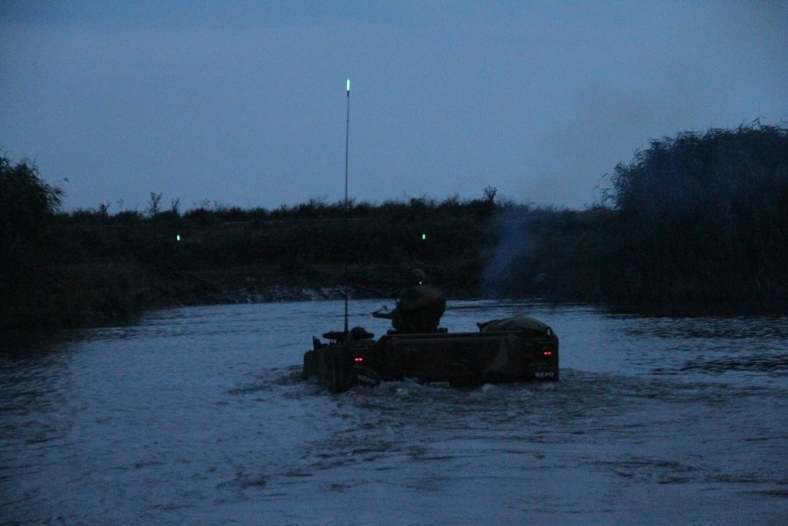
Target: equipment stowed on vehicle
column 516, row 349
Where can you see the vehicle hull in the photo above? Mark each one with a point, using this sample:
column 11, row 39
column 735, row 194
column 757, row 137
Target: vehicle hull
column 440, row 358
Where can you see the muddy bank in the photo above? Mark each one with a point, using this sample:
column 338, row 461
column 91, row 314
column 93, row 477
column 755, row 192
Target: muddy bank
column 106, row 293
column 258, row 285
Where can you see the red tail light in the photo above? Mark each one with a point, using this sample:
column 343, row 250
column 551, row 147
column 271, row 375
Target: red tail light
column 358, row 359
column 547, row 353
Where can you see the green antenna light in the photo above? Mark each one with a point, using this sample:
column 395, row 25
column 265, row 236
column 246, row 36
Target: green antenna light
column 423, row 236
column 348, row 85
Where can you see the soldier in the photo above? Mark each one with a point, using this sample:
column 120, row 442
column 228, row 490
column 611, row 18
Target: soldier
column 419, row 307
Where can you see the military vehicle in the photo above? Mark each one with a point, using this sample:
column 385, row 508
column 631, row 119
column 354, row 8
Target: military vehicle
column 512, row 350
column 516, row 349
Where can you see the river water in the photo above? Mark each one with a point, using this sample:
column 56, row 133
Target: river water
column 199, row 416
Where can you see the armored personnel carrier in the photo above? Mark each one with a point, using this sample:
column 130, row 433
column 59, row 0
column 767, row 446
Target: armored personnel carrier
column 517, row 349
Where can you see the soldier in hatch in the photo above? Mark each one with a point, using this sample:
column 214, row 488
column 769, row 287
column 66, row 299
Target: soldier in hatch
column 419, row 307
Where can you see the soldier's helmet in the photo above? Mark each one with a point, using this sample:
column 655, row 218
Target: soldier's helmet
column 416, row 277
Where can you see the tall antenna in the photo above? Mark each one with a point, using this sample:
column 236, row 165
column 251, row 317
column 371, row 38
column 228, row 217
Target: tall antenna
column 347, row 150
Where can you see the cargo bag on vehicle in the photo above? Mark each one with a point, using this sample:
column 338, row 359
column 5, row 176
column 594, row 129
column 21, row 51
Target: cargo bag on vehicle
column 529, row 326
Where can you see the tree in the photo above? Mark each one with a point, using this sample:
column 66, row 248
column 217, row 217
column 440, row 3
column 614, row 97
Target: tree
column 26, row 202
column 706, row 216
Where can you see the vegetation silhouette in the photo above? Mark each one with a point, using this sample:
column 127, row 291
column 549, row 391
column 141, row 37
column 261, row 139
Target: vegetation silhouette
column 695, row 218
column 705, row 217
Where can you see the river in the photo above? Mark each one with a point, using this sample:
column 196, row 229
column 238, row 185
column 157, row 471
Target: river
column 199, row 416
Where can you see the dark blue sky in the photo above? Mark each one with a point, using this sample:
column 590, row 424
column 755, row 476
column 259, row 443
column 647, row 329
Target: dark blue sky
column 243, row 103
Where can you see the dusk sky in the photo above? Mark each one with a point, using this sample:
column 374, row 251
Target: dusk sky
column 243, row 103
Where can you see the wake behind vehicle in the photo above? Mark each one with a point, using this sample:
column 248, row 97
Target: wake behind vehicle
column 516, row 349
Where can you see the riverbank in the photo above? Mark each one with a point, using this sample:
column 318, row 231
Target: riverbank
column 259, row 284
column 688, row 221
column 98, row 294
